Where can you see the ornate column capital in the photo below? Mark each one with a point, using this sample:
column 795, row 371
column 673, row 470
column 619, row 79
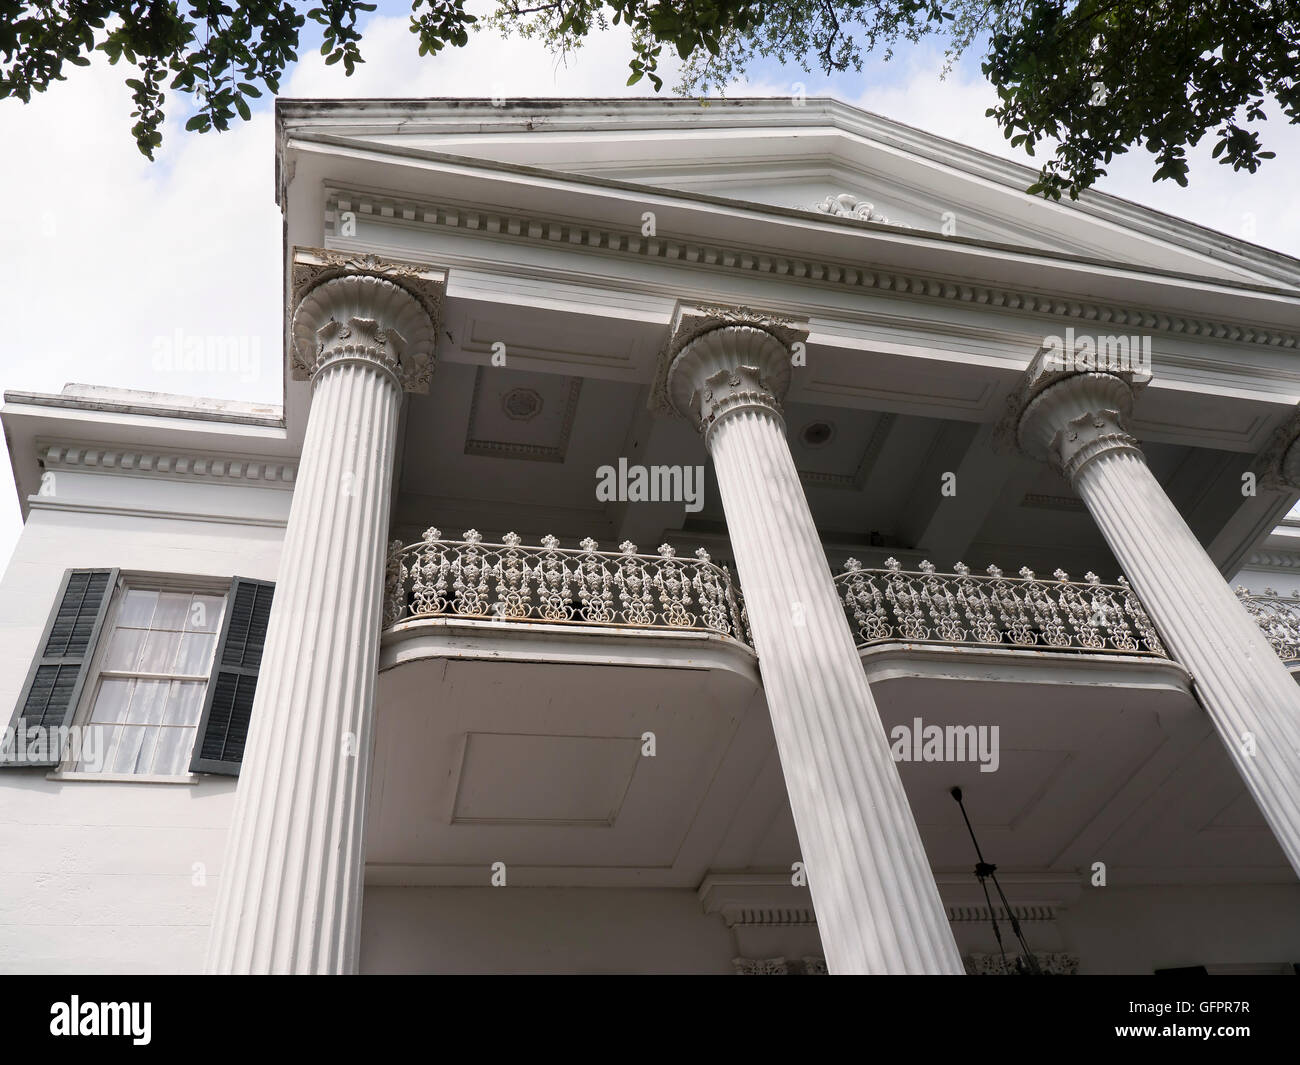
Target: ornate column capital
column 723, row 359
column 1278, row 465
column 1068, row 418
column 360, row 307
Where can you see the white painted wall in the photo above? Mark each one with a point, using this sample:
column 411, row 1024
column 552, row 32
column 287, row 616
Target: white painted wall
column 115, row 877
column 541, row 930
column 99, row 877
column 558, row 930
column 1136, row 930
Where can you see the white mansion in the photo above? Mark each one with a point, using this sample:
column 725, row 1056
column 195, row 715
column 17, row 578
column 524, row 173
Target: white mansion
column 671, row 503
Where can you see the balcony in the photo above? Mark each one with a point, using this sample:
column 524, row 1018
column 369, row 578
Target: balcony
column 510, row 582
column 961, row 608
column 521, row 695
column 1279, row 617
column 519, row 685
column 469, row 585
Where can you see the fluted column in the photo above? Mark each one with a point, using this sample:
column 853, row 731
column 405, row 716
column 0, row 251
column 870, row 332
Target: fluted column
column 290, row 891
column 1079, row 423
column 877, row 905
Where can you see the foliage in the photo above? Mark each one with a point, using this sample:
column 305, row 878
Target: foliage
column 1089, row 78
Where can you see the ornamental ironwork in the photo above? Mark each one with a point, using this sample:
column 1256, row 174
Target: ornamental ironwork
column 994, row 610
column 511, row 581
column 1279, row 618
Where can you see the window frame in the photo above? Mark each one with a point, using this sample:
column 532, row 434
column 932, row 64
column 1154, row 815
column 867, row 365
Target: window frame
column 193, row 584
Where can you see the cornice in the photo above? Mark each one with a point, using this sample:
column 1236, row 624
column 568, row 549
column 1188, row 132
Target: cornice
column 738, row 914
column 1275, row 560
column 764, row 899
column 307, row 119
column 171, row 464
column 982, row 914
column 203, row 517
column 756, row 899
column 198, row 409
column 629, row 243
column 1051, row 502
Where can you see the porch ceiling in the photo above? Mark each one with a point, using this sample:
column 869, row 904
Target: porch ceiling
column 513, row 747
column 516, row 447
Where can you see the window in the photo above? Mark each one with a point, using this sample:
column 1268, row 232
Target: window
column 146, row 697
column 145, row 676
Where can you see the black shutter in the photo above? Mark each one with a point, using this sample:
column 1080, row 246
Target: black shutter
column 228, row 706
column 58, row 674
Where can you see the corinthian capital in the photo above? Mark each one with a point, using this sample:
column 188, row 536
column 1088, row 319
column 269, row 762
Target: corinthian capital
column 1278, row 465
column 348, row 307
column 722, row 359
column 1069, row 418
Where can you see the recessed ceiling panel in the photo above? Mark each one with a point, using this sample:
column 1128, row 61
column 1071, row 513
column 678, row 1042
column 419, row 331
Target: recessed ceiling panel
column 519, row 415
column 518, row 779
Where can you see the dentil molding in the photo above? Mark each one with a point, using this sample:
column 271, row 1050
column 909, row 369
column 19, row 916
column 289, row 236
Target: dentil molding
column 171, row 464
column 756, row 899
column 630, row 242
column 1279, row 560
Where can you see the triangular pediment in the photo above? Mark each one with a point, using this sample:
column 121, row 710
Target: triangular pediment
column 838, row 192
column 823, row 158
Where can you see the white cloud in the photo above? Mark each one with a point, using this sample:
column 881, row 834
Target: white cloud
column 1261, row 208
column 104, row 256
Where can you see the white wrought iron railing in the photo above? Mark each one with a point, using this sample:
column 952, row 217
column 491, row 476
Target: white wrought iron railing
column 1278, row 616
column 512, row 582
column 993, row 610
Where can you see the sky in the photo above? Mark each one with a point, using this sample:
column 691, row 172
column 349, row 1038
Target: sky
column 108, row 262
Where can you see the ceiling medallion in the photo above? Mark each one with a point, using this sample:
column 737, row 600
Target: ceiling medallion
column 521, row 404
column 817, row 434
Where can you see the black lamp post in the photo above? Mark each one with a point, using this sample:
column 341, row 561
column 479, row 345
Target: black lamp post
column 1026, row 964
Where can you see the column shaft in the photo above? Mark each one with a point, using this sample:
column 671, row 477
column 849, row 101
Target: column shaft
column 877, row 904
column 1248, row 693
column 290, row 892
